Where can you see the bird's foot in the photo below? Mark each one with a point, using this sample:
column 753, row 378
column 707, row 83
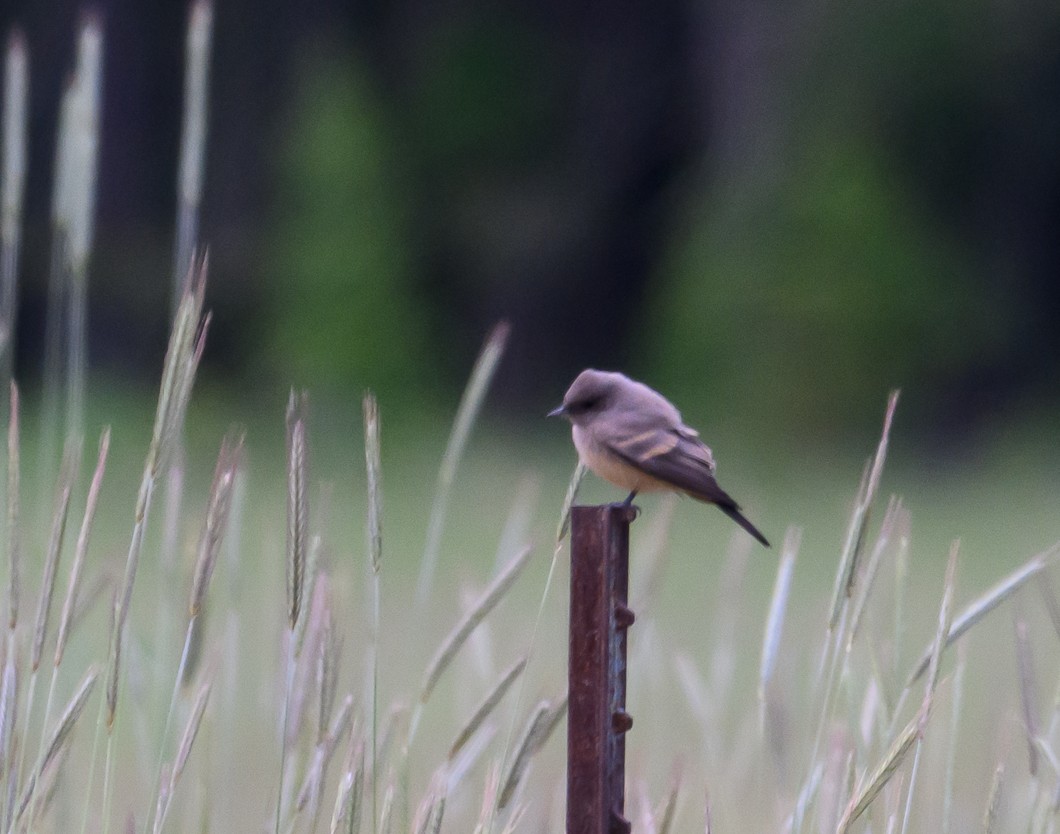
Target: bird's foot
column 629, row 507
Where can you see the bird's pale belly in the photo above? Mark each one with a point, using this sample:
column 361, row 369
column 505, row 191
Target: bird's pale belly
column 612, row 468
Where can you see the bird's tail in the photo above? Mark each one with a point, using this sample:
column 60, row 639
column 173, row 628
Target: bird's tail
column 710, row 492
column 733, row 512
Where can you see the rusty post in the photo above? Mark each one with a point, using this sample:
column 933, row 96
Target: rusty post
column 597, row 720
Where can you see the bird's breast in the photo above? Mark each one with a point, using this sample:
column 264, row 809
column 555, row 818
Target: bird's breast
column 601, row 460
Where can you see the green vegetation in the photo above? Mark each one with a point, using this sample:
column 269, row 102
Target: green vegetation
column 835, row 723
column 309, row 631
column 827, row 281
column 342, row 260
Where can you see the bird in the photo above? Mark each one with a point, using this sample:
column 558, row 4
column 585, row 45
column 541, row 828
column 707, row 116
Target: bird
column 633, row 437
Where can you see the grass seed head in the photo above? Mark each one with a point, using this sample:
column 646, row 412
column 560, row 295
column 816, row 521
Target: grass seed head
column 297, row 504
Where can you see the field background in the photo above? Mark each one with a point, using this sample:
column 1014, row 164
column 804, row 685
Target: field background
column 695, row 650
column 776, row 216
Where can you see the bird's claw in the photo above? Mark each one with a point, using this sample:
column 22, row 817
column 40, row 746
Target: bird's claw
column 628, row 507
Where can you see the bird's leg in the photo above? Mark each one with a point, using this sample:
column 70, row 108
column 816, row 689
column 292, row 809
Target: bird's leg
column 628, row 504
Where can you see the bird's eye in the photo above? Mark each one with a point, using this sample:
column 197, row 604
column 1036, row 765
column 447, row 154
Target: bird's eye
column 583, row 406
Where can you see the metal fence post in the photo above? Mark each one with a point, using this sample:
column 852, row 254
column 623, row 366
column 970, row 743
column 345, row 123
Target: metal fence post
column 597, row 720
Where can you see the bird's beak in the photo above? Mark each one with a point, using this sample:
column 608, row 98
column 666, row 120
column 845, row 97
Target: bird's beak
column 558, row 412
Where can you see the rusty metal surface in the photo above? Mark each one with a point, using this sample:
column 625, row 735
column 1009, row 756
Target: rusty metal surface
column 597, row 720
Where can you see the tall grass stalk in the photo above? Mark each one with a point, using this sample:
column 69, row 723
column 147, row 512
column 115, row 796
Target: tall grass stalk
column 14, row 545
column 847, row 574
column 372, row 456
column 956, row 701
column 544, row 720
column 8, row 744
column 190, row 175
column 1027, row 689
column 327, row 664
column 986, row 602
column 466, row 414
column 845, row 580
column 214, row 528
column 901, row 591
column 489, row 798
column 895, row 525
column 993, row 803
column 73, row 585
column 210, row 540
column 59, row 737
column 172, row 511
column 73, row 209
column 191, row 170
column 457, row 637
column 309, row 794
column 486, row 706
column 346, row 816
column 944, row 620
column 775, row 620
column 1049, row 800
column 178, row 375
column 297, row 543
column 63, row 488
column 66, row 620
column 297, row 505
column 871, row 785
column 12, row 189
column 90, row 780
column 191, row 731
column 186, row 343
column 10, row 682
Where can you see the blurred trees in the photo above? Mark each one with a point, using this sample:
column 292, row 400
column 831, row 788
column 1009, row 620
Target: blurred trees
column 541, row 145
column 808, row 299
column 343, row 307
column 786, row 210
column 778, row 211
column 882, row 218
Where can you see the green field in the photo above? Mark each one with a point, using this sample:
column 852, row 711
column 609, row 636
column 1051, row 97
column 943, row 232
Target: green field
column 257, row 614
column 701, row 588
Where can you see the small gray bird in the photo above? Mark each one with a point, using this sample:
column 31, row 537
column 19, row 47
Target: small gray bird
column 633, row 436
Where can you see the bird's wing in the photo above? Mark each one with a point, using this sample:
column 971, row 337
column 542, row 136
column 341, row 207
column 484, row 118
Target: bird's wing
column 676, row 456
column 673, row 454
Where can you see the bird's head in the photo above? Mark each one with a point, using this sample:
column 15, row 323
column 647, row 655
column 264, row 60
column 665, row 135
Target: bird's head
column 589, row 396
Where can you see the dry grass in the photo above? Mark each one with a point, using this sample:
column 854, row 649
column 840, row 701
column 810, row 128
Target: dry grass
column 873, row 762
column 342, row 706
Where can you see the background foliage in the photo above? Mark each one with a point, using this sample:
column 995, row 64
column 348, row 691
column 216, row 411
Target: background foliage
column 782, row 209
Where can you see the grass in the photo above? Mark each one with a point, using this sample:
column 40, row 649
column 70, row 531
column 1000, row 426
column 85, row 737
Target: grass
column 726, row 682
column 355, row 620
